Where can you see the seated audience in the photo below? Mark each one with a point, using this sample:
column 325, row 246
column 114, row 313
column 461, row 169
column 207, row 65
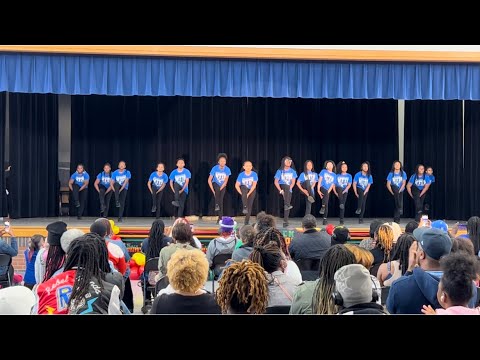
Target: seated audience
column 394, row 269
column 115, row 252
column 168, row 239
column 30, row 253
column 441, row 225
column 65, row 241
column 370, row 243
column 384, row 245
column 156, row 240
column 225, row 244
column 9, row 249
column 16, row 300
column 40, row 262
column 243, row 289
column 247, row 236
column 411, row 225
column 311, row 244
column 353, row 292
column 397, row 230
column 187, row 272
column 340, row 236
column 455, row 288
column 264, row 222
column 56, row 255
column 462, row 244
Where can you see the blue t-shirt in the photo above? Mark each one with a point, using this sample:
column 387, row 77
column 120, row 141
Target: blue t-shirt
column 79, row 179
column 120, row 177
column 158, row 181
column 312, row 176
column 285, row 177
column 104, row 179
column 362, row 180
column 181, row 177
column 343, row 180
column 247, row 180
column 219, row 175
column 432, row 178
column 420, row 181
column 329, row 178
column 397, row 178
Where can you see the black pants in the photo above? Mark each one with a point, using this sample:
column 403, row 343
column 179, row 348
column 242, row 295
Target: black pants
column 247, row 201
column 308, row 205
column 180, row 198
column 362, row 200
column 342, row 198
column 104, row 199
column 120, row 197
column 418, row 202
column 81, row 197
column 128, row 294
column 427, row 203
column 398, row 197
column 219, row 194
column 157, row 200
column 287, row 199
column 326, row 197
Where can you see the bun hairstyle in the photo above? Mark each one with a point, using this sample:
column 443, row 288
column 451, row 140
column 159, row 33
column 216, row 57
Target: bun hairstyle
column 339, row 166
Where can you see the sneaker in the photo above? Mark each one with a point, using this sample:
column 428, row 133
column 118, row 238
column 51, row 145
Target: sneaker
column 322, row 210
column 217, row 207
column 400, row 211
column 103, row 208
column 244, row 211
column 175, row 203
column 342, row 206
column 79, row 218
column 311, row 199
column 427, row 207
column 288, row 207
column 341, row 222
column 325, row 222
column 285, row 224
column 117, row 204
column 358, row 211
column 120, row 220
column 77, row 204
column 360, row 221
column 154, row 208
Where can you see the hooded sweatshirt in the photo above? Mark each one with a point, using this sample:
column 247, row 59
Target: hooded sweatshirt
column 458, row 310
column 218, row 246
column 409, row 293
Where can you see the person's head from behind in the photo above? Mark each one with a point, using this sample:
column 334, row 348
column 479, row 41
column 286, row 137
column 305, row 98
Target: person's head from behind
column 362, row 256
column 16, row 300
column 247, row 235
column 160, row 167
column 440, row 224
column 248, row 166
column 56, row 255
column 365, row 167
column 411, row 225
column 180, row 163
column 243, row 289
column 353, row 286
column 384, row 238
column 80, row 168
column 222, row 159
column 456, row 285
column 340, row 235
column 273, row 235
column 374, row 226
column 463, row 244
column 155, row 237
column 397, row 230
column 473, row 230
column 99, row 228
column 227, row 226
column 429, row 170
column 187, row 271
column 431, row 246
column 182, row 234
column 68, row 236
column 264, row 222
column 107, row 223
column 269, row 257
column 308, row 166
column 401, row 251
column 309, row 222
column 107, row 168
column 122, row 165
column 36, row 242
column 335, row 257
column 397, row 166
column 329, row 165
column 342, row 167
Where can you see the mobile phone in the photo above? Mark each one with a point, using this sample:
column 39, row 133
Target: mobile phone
column 462, row 226
column 424, row 221
column 7, row 226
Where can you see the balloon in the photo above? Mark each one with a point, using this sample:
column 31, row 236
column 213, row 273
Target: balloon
column 134, row 274
column 140, row 269
column 133, row 263
column 112, row 223
column 139, row 259
column 116, row 230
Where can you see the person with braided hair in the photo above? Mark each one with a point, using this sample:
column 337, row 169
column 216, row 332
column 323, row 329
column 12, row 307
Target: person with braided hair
column 394, row 269
column 315, row 297
column 243, row 289
column 384, row 244
column 281, row 287
column 56, row 255
column 156, row 241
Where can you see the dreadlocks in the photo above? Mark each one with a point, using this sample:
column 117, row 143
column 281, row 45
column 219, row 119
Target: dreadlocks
column 155, row 238
column 336, row 257
column 400, row 252
column 55, row 260
column 268, row 257
column 272, row 235
column 89, row 256
column 243, row 288
column 384, row 237
column 473, row 230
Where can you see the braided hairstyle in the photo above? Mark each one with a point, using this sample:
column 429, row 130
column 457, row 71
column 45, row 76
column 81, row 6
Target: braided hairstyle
column 89, row 256
column 384, row 237
column 269, row 257
column 55, row 260
column 155, row 238
column 243, row 289
column 272, row 235
column 400, row 252
column 336, row 257
column 473, row 230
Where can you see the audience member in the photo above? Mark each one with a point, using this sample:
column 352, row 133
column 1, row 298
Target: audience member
column 56, row 255
column 264, row 222
column 397, row 267
column 441, row 225
column 247, row 236
column 167, row 240
column 370, row 243
column 40, row 262
column 225, row 244
column 340, row 236
column 31, row 252
column 16, row 300
column 462, row 244
column 411, row 225
column 383, row 247
column 396, row 229
column 6, row 248
column 115, row 253
column 311, row 244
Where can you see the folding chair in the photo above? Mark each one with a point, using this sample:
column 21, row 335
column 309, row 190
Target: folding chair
column 219, row 260
column 385, row 291
column 150, row 266
column 308, row 268
column 278, row 309
column 6, row 279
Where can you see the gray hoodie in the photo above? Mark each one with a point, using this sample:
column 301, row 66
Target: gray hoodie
column 218, row 246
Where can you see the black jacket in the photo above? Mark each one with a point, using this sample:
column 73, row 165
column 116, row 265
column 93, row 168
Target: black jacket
column 311, row 244
column 364, row 309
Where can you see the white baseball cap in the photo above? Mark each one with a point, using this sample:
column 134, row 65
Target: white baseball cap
column 16, row 300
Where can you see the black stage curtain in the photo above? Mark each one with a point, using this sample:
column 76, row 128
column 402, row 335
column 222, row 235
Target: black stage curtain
column 472, row 159
column 144, row 130
column 3, row 197
column 34, row 154
column 433, row 137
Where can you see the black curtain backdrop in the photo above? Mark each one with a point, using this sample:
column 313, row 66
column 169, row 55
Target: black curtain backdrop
column 472, row 159
column 3, row 198
column 34, row 154
column 144, row 130
column 433, row 137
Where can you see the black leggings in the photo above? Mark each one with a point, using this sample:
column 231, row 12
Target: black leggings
column 308, row 205
column 157, row 200
column 120, row 197
column 326, row 197
column 342, row 198
column 180, row 198
column 104, row 199
column 247, row 202
column 219, row 194
column 81, row 197
column 287, row 198
column 362, row 200
column 398, row 198
column 418, row 202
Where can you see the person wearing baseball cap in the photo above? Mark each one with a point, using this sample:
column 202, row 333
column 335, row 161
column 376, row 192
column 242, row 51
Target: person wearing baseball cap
column 440, row 224
column 224, row 244
column 16, row 300
column 419, row 285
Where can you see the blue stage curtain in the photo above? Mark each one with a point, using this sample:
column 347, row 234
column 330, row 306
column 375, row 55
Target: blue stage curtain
column 3, row 198
column 472, row 160
column 154, row 76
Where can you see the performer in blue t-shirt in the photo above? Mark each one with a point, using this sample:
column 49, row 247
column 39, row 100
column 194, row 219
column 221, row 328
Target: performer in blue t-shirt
column 306, row 183
column 284, row 182
column 156, row 183
column 78, row 184
column 361, row 186
column 342, row 186
column 179, row 179
column 120, row 182
column 246, row 186
column 396, row 181
column 428, row 198
column 326, row 182
column 218, row 180
column 417, row 187
column 103, row 185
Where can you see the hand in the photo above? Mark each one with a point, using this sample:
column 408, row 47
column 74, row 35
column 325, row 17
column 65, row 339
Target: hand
column 158, row 191
column 8, row 169
column 356, row 194
column 454, row 230
column 321, row 195
column 428, row 310
column 181, row 191
column 344, row 191
column 305, row 192
column 281, row 192
column 412, row 256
